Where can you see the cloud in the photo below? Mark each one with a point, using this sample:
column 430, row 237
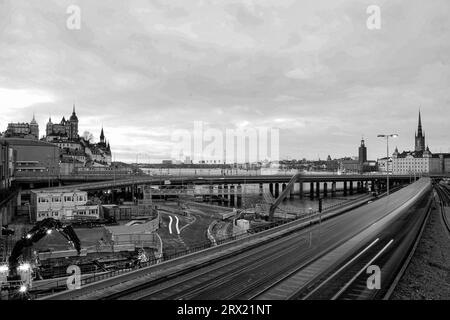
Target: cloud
column 145, row 68
column 22, row 98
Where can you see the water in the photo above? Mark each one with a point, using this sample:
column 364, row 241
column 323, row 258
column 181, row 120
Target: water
column 250, row 195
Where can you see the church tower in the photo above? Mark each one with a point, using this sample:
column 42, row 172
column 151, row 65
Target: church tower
column 73, row 134
column 420, row 137
column 102, row 137
column 34, row 127
column 49, row 128
column 362, row 152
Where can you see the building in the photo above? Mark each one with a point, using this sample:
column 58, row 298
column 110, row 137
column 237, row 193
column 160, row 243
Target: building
column 419, row 137
column 62, row 205
column 421, row 160
column 350, row 165
column 98, row 152
column 65, row 130
column 362, row 153
column 23, row 130
column 7, row 162
column 412, row 162
column 384, row 164
column 65, row 136
column 34, row 155
column 70, row 166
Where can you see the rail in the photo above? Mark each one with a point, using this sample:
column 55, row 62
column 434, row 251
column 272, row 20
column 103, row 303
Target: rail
column 444, row 197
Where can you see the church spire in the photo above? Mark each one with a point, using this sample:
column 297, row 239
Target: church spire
column 102, row 136
column 420, row 137
column 419, row 130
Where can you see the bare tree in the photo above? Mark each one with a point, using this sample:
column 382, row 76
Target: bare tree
column 87, row 136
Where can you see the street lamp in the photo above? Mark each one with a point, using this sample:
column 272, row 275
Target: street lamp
column 387, row 136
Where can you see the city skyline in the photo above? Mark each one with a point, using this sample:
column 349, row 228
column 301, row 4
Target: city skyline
column 145, row 158
column 145, row 69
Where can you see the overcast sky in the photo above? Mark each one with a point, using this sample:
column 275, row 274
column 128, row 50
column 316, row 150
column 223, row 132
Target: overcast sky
column 310, row 68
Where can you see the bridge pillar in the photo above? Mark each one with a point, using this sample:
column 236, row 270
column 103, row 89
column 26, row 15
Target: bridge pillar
column 271, row 189
column 372, row 186
column 261, row 189
column 358, row 187
column 318, row 189
column 19, row 198
column 277, row 190
column 211, row 193
column 345, row 188
column 225, row 195
column 232, row 195
column 291, row 192
column 220, row 194
column 333, row 189
column 300, row 189
column 311, row 190
column 239, row 196
column 325, row 189
column 283, row 187
column 351, row 187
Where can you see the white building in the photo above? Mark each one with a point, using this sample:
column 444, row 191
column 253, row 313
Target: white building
column 67, row 144
column 384, row 164
column 415, row 162
column 62, row 205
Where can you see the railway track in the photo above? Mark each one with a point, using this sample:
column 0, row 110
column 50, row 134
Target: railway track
column 352, row 278
column 443, row 193
column 341, row 257
column 349, row 281
column 200, row 282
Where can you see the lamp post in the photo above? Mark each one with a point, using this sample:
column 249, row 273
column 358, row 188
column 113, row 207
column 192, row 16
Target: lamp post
column 387, row 136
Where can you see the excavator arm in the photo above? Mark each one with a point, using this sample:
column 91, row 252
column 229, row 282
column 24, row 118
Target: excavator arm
column 40, row 230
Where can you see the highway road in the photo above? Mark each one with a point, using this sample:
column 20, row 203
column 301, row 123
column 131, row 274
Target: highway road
column 295, row 266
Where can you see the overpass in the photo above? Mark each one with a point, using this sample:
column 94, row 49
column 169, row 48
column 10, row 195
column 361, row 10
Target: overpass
column 103, row 183
column 319, row 257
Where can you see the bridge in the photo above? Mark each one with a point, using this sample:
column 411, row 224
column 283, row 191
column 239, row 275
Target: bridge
column 105, row 183
column 322, row 256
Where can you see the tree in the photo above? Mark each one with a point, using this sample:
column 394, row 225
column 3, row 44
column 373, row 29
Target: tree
column 87, row 136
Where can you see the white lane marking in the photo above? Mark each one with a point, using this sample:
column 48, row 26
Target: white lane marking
column 176, row 225
column 170, row 224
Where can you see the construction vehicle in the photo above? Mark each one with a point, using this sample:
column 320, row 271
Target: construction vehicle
column 40, row 230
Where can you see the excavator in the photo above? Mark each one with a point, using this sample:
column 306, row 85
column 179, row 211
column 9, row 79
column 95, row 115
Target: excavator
column 40, row 230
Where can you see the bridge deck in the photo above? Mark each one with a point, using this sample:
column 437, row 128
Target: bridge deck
column 216, row 180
